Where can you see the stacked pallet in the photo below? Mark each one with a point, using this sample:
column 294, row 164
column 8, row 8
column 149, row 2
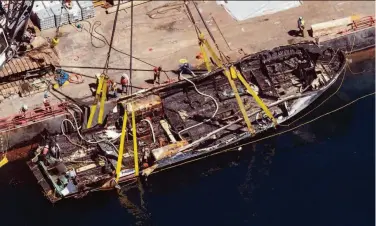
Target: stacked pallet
column 42, row 17
column 60, row 13
column 74, row 13
column 87, row 9
column 49, row 14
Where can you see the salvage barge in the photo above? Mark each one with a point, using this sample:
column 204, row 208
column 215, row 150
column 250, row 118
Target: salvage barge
column 180, row 121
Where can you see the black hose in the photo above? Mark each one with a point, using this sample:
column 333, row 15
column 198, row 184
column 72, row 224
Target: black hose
column 93, row 29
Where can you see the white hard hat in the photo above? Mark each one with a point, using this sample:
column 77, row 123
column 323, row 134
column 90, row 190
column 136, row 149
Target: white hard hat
column 124, row 75
column 98, row 75
column 300, row 18
column 24, row 106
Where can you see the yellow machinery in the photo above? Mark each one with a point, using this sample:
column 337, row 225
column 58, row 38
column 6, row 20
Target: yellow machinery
column 122, row 141
column 101, row 94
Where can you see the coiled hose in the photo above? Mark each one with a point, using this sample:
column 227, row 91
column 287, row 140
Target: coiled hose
column 203, row 94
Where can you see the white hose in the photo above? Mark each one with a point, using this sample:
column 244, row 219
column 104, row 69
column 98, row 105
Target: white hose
column 151, row 127
column 203, row 94
column 71, row 113
column 63, row 132
column 78, row 131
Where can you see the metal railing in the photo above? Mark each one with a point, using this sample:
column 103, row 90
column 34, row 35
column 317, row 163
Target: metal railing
column 31, row 116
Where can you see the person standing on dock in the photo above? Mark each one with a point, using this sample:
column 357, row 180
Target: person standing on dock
column 24, row 109
column 301, row 23
column 46, row 102
column 124, row 82
column 157, row 74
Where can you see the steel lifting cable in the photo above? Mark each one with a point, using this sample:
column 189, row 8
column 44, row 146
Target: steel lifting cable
column 222, row 55
column 112, row 39
column 131, row 50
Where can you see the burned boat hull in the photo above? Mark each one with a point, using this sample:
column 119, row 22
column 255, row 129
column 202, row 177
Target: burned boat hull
column 189, row 119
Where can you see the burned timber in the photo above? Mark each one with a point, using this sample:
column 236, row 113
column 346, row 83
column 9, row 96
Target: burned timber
column 180, row 121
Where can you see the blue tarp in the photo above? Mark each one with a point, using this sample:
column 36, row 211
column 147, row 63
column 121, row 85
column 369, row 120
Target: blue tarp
column 242, row 10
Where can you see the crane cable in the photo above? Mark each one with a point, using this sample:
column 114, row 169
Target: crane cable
column 221, row 54
column 198, row 31
column 130, row 52
column 105, row 70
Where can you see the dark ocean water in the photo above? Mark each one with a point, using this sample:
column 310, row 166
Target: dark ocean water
column 320, row 174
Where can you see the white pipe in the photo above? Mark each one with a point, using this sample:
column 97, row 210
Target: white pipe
column 203, row 94
column 151, row 127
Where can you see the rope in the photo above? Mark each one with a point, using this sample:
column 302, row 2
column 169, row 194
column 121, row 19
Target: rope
column 78, row 79
column 203, row 94
column 273, row 135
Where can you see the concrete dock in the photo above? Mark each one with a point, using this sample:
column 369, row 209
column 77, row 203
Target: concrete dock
column 164, row 38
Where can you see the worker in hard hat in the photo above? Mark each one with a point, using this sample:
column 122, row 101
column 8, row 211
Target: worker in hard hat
column 301, row 23
column 24, row 109
column 112, row 88
column 46, row 102
column 124, row 83
column 184, row 67
column 157, row 74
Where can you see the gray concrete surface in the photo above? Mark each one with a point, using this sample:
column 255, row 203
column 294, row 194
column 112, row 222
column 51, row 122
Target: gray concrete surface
column 170, row 36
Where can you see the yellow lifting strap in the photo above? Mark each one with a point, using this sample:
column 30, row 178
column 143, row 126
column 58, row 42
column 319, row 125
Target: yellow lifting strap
column 121, row 146
column 205, row 56
column 240, row 102
column 254, row 95
column 103, row 100
column 229, row 76
column 216, row 59
column 3, row 161
column 101, row 89
column 135, row 146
